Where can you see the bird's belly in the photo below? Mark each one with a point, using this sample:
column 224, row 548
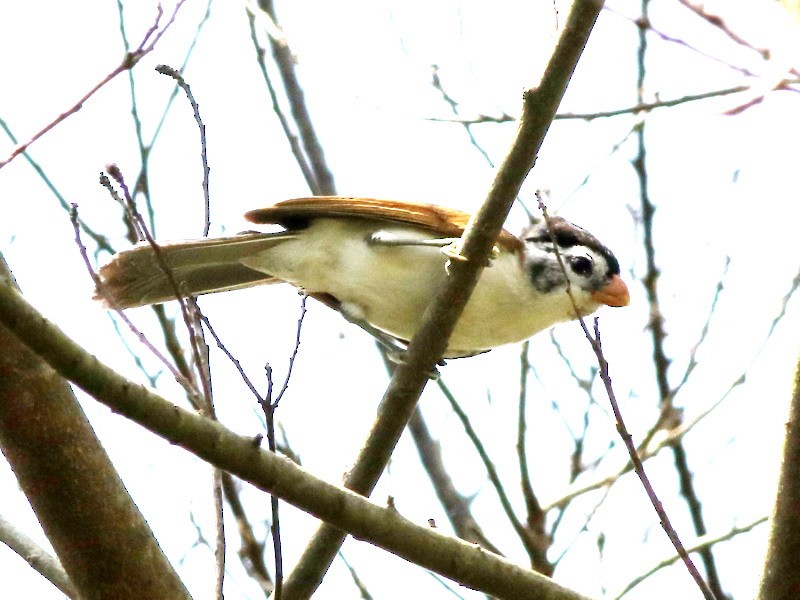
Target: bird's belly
column 391, row 286
column 387, row 286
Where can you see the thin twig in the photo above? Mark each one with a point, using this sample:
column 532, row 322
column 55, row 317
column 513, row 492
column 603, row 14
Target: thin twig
column 362, row 589
column 536, row 542
column 170, row 72
column 640, row 107
column 269, row 406
column 99, row 239
column 693, row 362
column 719, row 22
column 436, row 82
column 204, row 371
column 293, row 356
column 251, row 552
column 142, row 180
column 704, row 541
column 533, row 507
column 627, row 438
column 40, row 560
column 151, row 38
column 185, row 383
column 142, row 229
column 232, row 358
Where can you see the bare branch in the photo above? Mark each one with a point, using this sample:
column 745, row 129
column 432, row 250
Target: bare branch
column 241, row 456
column 781, row 577
column 627, row 438
column 456, row 506
column 169, row 71
column 704, row 541
column 318, row 174
column 37, row 557
column 533, row 537
column 101, row 538
column 151, row 38
column 430, row 340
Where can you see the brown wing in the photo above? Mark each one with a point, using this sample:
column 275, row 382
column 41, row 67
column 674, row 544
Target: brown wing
column 442, row 221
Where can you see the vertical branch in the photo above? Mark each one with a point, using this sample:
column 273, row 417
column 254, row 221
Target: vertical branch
column 781, row 577
column 656, row 324
column 535, row 515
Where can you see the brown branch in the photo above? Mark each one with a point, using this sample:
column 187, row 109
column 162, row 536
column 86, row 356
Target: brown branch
column 100, row 536
column 627, row 438
column 170, row 72
column 781, row 577
column 456, row 506
column 251, row 551
column 242, row 457
column 430, row 341
column 322, row 183
column 291, row 137
column 151, row 38
column 669, row 415
column 533, row 508
column 533, row 537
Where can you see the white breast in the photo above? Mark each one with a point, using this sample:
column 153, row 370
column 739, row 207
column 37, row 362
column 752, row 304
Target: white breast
column 390, row 286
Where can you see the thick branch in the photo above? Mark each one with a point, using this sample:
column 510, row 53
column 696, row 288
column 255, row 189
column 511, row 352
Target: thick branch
column 100, row 537
column 430, row 341
column 243, row 457
column 781, row 577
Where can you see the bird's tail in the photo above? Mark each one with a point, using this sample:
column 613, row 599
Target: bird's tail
column 145, row 275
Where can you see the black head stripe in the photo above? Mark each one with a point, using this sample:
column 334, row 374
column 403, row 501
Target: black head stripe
column 568, row 235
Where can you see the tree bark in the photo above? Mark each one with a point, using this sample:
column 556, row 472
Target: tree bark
column 101, row 538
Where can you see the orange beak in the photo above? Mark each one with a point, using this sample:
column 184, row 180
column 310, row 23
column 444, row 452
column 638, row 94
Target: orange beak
column 615, row 293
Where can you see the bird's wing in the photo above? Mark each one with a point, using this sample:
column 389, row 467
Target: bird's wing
column 441, row 221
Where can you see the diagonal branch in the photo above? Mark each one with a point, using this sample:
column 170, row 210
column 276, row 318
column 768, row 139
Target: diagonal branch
column 322, row 183
column 100, row 537
column 430, row 341
column 244, row 458
column 657, row 326
column 151, row 38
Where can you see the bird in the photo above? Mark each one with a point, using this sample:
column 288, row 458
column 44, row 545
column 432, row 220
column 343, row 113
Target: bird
column 379, row 263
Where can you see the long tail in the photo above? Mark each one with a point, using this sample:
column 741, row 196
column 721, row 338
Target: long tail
column 137, row 277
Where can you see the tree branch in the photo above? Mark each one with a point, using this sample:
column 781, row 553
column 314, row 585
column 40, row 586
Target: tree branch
column 101, row 538
column 243, row 457
column 430, row 341
column 781, row 577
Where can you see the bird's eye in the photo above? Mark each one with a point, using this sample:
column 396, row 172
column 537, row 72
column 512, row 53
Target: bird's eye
column 581, row 265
